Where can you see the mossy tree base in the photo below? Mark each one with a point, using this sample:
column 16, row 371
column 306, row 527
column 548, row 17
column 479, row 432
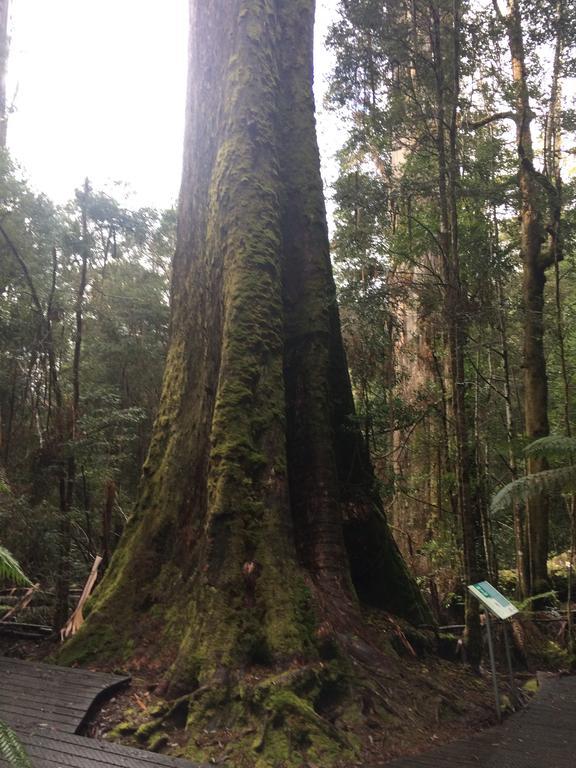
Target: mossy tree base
column 371, row 700
column 302, row 715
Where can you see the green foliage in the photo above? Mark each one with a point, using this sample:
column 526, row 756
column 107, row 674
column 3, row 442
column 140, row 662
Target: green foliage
column 556, row 480
column 552, row 447
column 550, row 597
column 11, row 748
column 124, row 336
column 10, row 570
column 395, row 94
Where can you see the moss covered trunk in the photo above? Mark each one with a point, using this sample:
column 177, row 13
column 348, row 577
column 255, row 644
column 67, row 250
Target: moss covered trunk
column 258, row 520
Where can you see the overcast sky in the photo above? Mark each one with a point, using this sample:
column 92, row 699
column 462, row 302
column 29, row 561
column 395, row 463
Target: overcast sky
column 98, row 90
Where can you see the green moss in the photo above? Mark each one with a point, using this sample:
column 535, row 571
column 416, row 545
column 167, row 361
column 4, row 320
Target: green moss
column 286, row 711
column 293, row 729
column 508, row 581
column 145, row 731
column 158, row 742
column 122, row 729
column 95, row 641
column 531, row 686
column 549, row 655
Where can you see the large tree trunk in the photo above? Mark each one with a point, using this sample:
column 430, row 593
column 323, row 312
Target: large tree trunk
column 258, row 519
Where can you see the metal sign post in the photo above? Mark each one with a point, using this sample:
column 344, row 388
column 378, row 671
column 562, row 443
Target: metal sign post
column 493, row 664
column 517, row 698
column 494, row 602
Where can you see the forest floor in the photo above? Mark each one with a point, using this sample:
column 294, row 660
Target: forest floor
column 422, row 703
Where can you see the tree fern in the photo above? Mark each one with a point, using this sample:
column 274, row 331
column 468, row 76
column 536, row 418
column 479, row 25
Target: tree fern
column 11, row 750
column 557, row 480
column 552, row 447
column 10, row 570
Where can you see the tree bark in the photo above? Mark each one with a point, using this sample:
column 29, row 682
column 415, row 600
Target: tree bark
column 519, row 510
column 535, row 262
column 68, row 481
column 258, row 520
column 475, row 568
column 4, row 48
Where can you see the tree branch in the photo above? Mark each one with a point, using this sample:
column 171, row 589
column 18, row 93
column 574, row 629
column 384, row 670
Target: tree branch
column 23, row 266
column 475, row 124
column 499, row 13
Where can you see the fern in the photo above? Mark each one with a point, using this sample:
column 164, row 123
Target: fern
column 559, row 480
column 553, row 446
column 10, row 570
column 11, row 749
column 551, row 597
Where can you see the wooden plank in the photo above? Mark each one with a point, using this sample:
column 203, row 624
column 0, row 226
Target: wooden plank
column 56, row 691
column 69, row 720
column 26, row 705
column 53, row 751
column 42, row 714
column 96, row 756
column 16, row 718
column 59, row 698
column 110, row 747
column 37, row 669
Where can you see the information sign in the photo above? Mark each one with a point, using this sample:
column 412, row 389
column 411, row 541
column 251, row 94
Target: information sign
column 493, row 600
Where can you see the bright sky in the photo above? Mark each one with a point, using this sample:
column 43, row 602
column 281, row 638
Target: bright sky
column 98, row 91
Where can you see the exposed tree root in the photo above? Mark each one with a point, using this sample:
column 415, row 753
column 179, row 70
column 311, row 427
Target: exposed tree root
column 297, row 717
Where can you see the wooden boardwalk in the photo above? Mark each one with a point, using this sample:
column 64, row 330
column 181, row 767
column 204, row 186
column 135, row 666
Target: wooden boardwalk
column 67, row 751
column 541, row 736
column 47, row 706
column 40, row 696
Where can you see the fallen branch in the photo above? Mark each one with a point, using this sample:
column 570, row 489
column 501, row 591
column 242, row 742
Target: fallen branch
column 77, row 619
column 15, row 629
column 24, row 602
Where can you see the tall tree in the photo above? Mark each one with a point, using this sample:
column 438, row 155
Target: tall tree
column 4, row 46
column 404, row 67
column 447, row 116
column 539, row 249
column 258, row 524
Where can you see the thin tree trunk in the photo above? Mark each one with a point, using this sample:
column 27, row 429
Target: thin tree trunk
column 519, row 511
column 482, row 461
column 68, row 487
column 107, row 520
column 535, row 263
column 11, row 408
column 4, row 48
column 553, row 152
column 472, row 534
